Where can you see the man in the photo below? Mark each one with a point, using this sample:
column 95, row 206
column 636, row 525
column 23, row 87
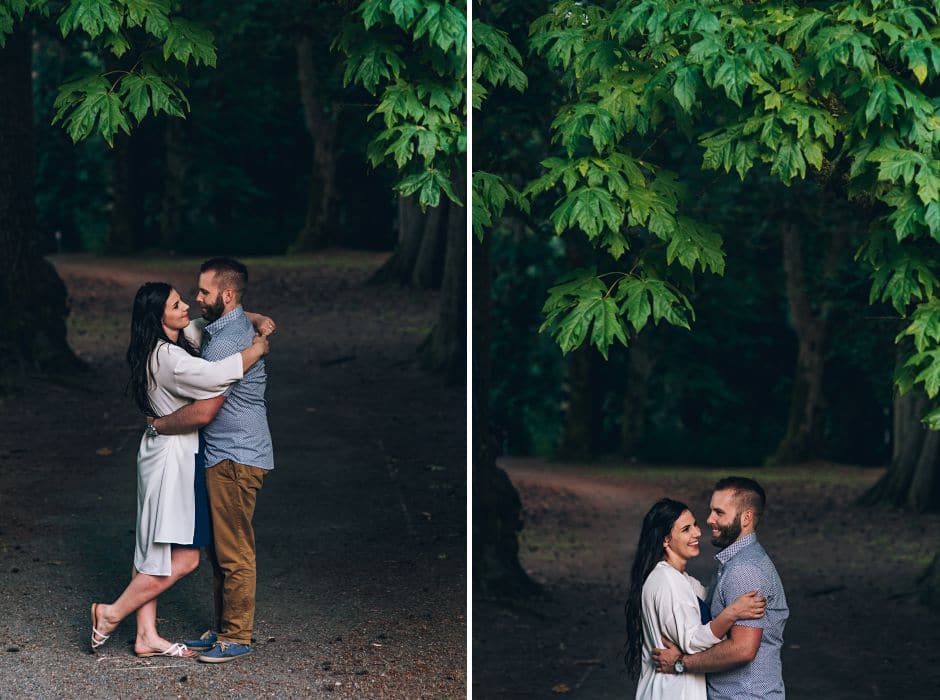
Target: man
column 238, row 455
column 747, row 664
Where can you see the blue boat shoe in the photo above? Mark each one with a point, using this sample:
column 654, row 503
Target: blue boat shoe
column 204, row 643
column 225, row 651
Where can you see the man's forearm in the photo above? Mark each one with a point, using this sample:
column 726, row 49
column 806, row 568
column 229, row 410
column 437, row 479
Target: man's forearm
column 724, row 656
column 188, row 418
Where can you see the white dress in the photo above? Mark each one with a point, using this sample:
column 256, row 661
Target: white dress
column 670, row 608
column 166, row 464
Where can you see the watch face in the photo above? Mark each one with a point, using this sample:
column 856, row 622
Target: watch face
column 680, row 667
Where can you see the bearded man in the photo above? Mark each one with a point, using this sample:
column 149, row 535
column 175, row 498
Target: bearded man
column 747, row 664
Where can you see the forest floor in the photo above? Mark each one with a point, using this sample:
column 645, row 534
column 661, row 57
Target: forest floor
column 360, row 528
column 855, row 630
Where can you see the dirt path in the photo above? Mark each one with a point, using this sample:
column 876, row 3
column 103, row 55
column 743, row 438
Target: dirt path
column 360, row 529
column 849, row 575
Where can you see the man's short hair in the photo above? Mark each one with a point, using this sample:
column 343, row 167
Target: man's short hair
column 230, row 273
column 748, row 494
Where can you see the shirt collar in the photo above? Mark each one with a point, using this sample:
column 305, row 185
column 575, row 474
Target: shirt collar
column 222, row 321
column 725, row 555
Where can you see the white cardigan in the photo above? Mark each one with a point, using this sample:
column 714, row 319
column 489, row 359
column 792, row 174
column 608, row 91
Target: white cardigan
column 166, row 464
column 670, row 608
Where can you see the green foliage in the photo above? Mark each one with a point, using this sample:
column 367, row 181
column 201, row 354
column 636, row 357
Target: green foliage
column 412, row 56
column 112, row 102
column 843, row 92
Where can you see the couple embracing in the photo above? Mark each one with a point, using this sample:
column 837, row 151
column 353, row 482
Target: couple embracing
column 196, row 488
column 722, row 645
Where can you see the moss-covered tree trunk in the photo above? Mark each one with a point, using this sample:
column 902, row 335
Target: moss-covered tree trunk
column 32, row 297
column 497, row 511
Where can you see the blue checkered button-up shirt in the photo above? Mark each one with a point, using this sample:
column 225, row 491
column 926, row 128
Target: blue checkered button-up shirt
column 239, row 431
column 744, row 566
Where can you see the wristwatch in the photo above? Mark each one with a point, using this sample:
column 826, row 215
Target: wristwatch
column 151, row 431
column 679, row 666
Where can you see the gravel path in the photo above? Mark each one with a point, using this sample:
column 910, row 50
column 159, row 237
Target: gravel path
column 360, row 529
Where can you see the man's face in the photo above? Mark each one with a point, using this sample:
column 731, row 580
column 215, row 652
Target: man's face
column 209, row 296
column 724, row 519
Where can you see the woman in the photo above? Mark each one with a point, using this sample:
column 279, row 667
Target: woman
column 166, row 374
column 665, row 601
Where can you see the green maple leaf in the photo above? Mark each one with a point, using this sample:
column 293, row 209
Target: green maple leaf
column 444, row 25
column 929, row 375
column 92, row 16
column 186, row 40
column 404, row 11
column 687, row 82
column 696, row 243
column 924, row 327
column 606, row 325
column 152, row 15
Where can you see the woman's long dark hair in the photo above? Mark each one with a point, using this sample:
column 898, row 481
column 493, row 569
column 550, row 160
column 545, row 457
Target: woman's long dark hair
column 649, row 551
column 146, row 332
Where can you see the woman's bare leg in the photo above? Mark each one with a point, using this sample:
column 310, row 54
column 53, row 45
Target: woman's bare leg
column 141, row 595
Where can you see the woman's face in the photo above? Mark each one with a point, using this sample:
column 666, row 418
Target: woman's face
column 684, row 537
column 175, row 313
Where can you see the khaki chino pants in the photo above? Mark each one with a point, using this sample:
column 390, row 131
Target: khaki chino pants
column 233, row 490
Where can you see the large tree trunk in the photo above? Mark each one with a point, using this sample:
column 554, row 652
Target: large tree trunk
column 913, row 479
column 322, row 125
column 414, row 226
column 428, row 268
column 496, row 506
column 446, row 348
column 172, row 202
column 803, row 439
column 32, row 297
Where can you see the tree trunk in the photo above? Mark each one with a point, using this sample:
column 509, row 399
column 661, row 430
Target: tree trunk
column 913, row 479
column 639, row 370
column 428, row 269
column 930, row 584
column 33, row 304
column 413, row 225
column 446, row 348
column 322, row 125
column 496, row 506
column 803, row 439
column 127, row 201
column 173, row 200
column 583, row 413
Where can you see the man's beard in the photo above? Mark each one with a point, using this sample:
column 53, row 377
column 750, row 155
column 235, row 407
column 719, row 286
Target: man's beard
column 728, row 533
column 212, row 312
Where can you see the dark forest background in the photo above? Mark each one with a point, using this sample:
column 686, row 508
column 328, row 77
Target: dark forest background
column 240, row 173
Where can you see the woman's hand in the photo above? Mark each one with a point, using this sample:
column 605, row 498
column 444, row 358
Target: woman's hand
column 264, row 325
column 749, row 606
column 262, row 341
